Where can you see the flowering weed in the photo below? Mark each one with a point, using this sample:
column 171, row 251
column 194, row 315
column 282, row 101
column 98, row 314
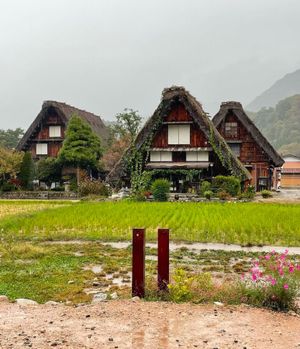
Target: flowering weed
column 273, row 281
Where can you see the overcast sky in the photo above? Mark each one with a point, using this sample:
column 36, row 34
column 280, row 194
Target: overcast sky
column 106, row 55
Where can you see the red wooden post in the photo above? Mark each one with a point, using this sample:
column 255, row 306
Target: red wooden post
column 138, row 262
column 163, row 260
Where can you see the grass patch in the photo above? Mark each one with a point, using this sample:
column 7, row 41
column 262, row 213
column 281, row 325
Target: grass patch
column 16, row 207
column 54, row 272
column 240, row 223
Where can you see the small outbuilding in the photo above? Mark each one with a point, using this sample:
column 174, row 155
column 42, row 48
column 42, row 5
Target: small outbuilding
column 290, row 172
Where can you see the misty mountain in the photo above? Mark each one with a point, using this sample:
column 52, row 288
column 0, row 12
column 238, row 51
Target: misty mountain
column 281, row 125
column 289, row 85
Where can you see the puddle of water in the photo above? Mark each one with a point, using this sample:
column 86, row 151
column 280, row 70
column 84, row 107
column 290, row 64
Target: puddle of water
column 198, row 246
column 78, row 254
column 96, row 269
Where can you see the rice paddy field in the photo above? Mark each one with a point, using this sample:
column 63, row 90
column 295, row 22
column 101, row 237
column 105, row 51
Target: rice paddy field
column 58, row 250
column 238, row 223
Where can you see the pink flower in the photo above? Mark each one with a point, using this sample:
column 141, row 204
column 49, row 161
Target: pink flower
column 267, row 257
column 291, row 268
column 254, row 277
column 285, row 286
column 273, row 282
column 298, row 266
column 286, row 251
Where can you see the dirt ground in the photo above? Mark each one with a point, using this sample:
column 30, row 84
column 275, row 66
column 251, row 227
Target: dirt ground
column 288, row 196
column 128, row 324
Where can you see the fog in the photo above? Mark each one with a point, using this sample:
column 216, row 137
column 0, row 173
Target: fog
column 106, row 55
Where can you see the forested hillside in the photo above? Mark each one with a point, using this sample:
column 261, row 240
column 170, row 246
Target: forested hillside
column 289, row 85
column 281, row 125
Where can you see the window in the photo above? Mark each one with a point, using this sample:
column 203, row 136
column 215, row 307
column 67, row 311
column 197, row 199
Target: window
column 179, row 134
column 158, row 156
column 235, row 148
column 179, row 156
column 54, row 131
column 231, row 129
column 42, row 149
column 197, row 156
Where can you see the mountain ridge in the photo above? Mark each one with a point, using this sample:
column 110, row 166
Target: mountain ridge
column 288, row 85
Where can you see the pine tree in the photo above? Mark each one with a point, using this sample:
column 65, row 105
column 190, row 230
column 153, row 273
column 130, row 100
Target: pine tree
column 81, row 147
column 26, row 172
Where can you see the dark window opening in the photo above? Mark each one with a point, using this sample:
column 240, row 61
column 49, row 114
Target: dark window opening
column 179, row 156
column 235, row 148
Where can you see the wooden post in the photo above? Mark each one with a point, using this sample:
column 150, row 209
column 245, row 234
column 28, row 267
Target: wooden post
column 138, row 263
column 163, row 260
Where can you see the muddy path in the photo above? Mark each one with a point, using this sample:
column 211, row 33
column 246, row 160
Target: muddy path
column 138, row 325
column 195, row 246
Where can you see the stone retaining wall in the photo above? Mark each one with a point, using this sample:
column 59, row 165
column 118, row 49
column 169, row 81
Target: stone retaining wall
column 39, row 195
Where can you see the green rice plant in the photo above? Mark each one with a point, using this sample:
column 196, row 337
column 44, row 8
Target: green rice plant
column 229, row 222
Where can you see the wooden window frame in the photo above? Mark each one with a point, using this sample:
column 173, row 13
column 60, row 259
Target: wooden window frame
column 231, row 129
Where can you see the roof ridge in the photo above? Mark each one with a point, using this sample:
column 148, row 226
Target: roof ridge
column 47, row 102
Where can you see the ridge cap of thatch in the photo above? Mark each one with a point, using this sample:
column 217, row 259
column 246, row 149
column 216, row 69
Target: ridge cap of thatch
column 52, row 103
column 231, row 105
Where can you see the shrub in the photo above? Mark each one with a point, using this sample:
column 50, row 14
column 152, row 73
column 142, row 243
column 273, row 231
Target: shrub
column 181, row 287
column 266, row 194
column 205, row 186
column 140, row 183
column 49, row 170
column 208, row 194
column 92, row 187
column 8, row 186
column 223, row 195
column 160, row 189
column 273, row 281
column 249, row 193
column 229, row 184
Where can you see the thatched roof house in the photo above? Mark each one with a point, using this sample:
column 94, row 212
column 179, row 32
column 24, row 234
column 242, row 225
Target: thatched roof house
column 45, row 135
column 200, row 146
column 248, row 143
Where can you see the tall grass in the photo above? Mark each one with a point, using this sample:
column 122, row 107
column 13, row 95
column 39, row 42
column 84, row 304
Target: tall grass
column 242, row 223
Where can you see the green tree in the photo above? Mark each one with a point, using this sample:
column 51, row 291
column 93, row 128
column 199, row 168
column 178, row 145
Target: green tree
column 26, row 171
column 10, row 138
column 127, row 124
column 49, row 170
column 81, row 147
column 10, row 163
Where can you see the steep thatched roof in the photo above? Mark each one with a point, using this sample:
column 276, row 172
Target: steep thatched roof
column 237, row 109
column 65, row 111
column 170, row 96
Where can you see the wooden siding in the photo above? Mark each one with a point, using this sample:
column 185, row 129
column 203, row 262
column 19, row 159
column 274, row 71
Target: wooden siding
column 250, row 151
column 51, row 120
column 179, row 114
column 54, row 148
